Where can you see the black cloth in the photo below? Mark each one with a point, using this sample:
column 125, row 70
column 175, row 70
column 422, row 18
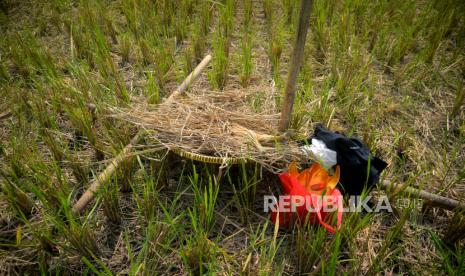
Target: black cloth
column 359, row 168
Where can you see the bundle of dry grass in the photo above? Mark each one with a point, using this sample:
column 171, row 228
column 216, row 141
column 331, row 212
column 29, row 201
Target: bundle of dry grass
column 215, row 124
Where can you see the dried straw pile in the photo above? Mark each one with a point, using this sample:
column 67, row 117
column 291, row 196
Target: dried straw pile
column 219, row 124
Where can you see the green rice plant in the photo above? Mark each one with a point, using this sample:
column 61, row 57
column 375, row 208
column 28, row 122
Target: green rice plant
column 135, row 260
column 300, row 110
column 45, row 236
column 268, row 10
column 245, row 187
column 125, row 47
column 247, row 14
column 453, row 257
column 30, row 57
column 309, row 245
column 202, row 215
column 152, row 89
column 189, row 6
column 20, row 61
column 289, row 8
column 14, row 161
column 150, row 18
column 445, row 13
column 148, row 56
column 146, row 195
column 459, row 99
column 4, row 73
column 198, row 42
column 246, row 59
column 181, row 24
column 205, row 18
column 50, row 186
column 276, row 49
column 110, row 202
column 330, row 267
column 80, row 43
column 82, row 120
column 108, row 23
column 343, row 67
column 226, row 17
column 53, row 145
column 158, row 237
column 455, row 231
column 200, row 255
column 102, row 269
column 390, row 242
column 257, row 101
column 180, row 30
column 349, row 239
column 115, row 133
column 129, row 9
column 83, row 82
column 78, row 232
column 164, row 57
column 103, row 59
column 394, row 41
column 267, row 247
column 188, row 61
column 79, row 167
column 17, row 198
column 320, row 31
column 53, row 192
column 81, row 238
column 168, row 8
column 220, row 62
column 125, row 174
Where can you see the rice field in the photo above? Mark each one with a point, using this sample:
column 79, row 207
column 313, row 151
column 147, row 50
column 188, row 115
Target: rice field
column 391, row 72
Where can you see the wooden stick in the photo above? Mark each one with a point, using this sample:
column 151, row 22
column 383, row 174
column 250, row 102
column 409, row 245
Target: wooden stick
column 431, row 199
column 105, row 176
column 191, row 77
column 296, row 62
column 6, row 115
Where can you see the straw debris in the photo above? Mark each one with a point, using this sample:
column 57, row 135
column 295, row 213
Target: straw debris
column 218, row 124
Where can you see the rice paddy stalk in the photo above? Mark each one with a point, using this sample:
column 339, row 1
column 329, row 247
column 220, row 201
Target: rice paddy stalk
column 110, row 203
column 309, row 243
column 246, row 59
column 203, row 214
column 18, row 199
column 248, row 11
column 220, row 63
column 459, row 100
column 125, row 45
column 153, row 91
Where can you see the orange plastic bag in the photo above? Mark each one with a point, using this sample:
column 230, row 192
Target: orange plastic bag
column 317, row 190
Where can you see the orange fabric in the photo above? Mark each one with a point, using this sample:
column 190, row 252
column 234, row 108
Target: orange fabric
column 315, row 179
column 310, row 184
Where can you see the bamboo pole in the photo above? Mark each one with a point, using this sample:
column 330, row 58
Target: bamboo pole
column 6, row 115
column 431, row 199
column 191, row 77
column 105, row 176
column 296, row 63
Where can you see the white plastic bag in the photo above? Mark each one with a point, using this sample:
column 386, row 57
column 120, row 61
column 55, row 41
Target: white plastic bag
column 326, row 157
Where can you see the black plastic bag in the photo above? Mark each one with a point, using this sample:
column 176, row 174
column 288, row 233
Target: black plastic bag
column 359, row 168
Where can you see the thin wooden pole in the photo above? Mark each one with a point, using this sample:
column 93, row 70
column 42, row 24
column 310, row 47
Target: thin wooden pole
column 296, row 62
column 191, row 77
column 7, row 114
column 430, row 199
column 105, row 176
